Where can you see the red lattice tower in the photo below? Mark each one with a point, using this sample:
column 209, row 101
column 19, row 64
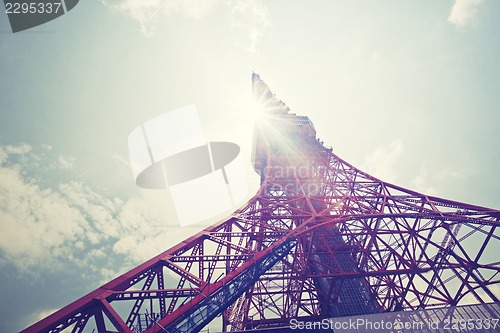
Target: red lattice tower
column 320, row 239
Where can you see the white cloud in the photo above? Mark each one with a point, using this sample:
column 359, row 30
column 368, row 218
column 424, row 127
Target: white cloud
column 382, row 162
column 149, row 226
column 45, row 227
column 148, row 12
column 422, row 182
column 463, row 11
column 426, row 181
column 35, row 317
column 36, row 222
column 7, row 150
column 248, row 19
column 65, row 162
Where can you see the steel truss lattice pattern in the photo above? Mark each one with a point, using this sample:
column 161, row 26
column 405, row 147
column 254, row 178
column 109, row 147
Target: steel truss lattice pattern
column 320, row 239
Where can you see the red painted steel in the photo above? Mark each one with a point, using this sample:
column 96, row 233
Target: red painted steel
column 364, row 246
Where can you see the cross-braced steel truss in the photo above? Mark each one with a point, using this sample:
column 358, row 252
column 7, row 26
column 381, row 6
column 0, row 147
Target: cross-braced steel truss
column 320, row 239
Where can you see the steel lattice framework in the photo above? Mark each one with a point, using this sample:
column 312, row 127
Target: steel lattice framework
column 320, row 239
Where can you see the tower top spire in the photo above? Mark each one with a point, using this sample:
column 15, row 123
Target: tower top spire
column 265, row 99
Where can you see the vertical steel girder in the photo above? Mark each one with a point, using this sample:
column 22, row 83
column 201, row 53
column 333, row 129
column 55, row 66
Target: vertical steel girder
column 321, row 238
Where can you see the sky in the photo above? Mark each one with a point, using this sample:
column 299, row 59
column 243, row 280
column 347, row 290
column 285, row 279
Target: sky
column 408, row 91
